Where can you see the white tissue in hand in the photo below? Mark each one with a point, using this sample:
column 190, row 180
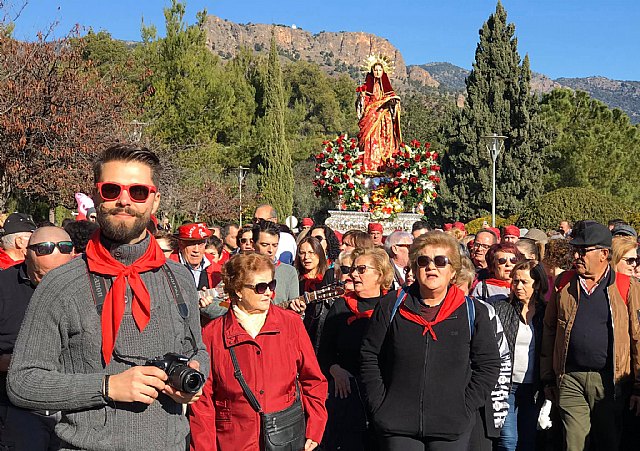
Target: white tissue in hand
column 544, row 421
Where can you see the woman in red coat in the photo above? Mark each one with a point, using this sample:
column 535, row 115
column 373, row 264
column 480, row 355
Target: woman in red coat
column 273, row 349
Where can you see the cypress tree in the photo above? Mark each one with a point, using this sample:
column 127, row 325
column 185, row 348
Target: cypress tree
column 498, row 101
column 276, row 172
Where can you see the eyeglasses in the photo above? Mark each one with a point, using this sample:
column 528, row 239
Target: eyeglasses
column 405, row 245
column 582, row 251
column 166, row 250
column 318, row 237
column 47, row 247
column 361, row 269
column 481, row 246
column 344, row 269
column 138, row 192
column 407, row 269
column 503, row 260
column 631, row 261
column 261, row 288
column 439, row 260
column 246, row 240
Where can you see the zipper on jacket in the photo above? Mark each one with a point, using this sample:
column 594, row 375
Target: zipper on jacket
column 424, row 380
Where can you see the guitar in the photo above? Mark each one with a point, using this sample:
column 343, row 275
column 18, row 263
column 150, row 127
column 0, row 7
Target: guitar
column 327, row 293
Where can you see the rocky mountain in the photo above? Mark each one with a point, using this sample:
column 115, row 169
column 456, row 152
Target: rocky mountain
column 345, row 52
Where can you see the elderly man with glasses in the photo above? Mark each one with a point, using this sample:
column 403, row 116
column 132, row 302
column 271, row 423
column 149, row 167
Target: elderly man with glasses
column 591, row 342
column 48, row 248
column 397, row 246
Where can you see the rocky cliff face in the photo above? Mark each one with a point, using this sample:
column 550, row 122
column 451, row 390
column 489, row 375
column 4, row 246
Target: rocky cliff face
column 334, row 52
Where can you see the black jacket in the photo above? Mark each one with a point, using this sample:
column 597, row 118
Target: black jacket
column 421, row 387
column 509, row 312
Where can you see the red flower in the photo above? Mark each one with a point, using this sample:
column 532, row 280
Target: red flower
column 419, row 190
column 398, row 174
column 353, row 145
column 340, row 149
column 402, row 144
column 413, row 180
column 358, row 172
column 324, row 173
column 415, row 143
column 417, row 157
column 427, row 155
column 436, row 179
column 404, row 180
column 330, row 161
column 345, row 176
column 434, row 194
column 347, row 157
column 350, row 185
column 340, row 167
column 407, row 155
column 427, row 145
column 337, row 179
column 322, row 182
column 435, row 155
column 341, row 192
column 324, row 143
column 330, row 188
column 328, row 149
column 423, row 171
column 317, row 169
column 396, row 183
column 349, row 165
column 320, row 156
column 406, row 164
column 405, row 192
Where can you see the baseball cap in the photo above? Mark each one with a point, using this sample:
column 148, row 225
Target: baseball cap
column 18, row 222
column 590, row 233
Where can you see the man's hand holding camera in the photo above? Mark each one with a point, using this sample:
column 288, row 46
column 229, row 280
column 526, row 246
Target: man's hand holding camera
column 171, row 374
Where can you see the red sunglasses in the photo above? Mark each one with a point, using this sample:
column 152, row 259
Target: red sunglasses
column 138, row 192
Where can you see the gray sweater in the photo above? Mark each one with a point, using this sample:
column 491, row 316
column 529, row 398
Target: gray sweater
column 57, row 361
column 287, row 286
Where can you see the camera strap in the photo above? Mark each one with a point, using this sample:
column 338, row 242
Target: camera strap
column 99, row 290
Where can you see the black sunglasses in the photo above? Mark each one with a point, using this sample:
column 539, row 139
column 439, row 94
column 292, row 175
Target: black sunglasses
column 361, row 269
column 632, row 260
column 318, row 237
column 261, row 288
column 246, row 240
column 47, row 247
column 439, row 260
column 582, row 251
column 503, row 260
column 344, row 269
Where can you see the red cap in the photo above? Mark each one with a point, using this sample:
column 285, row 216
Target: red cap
column 512, row 230
column 448, row 226
column 194, row 231
column 374, row 227
column 459, row 225
column 307, row 222
column 338, row 235
column 496, row 231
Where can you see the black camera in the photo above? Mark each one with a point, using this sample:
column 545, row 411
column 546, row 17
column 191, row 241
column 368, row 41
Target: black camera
column 181, row 377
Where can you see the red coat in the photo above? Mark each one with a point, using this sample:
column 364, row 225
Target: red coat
column 222, row 419
column 6, row 261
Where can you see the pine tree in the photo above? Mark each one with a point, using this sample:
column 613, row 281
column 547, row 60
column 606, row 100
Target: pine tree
column 276, row 173
column 498, row 101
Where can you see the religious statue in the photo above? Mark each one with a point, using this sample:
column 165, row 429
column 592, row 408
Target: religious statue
column 378, row 110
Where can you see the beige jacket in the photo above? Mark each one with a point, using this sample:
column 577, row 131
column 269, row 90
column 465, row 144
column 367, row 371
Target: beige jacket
column 561, row 313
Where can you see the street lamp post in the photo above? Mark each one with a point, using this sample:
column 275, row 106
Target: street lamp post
column 494, row 144
column 242, row 174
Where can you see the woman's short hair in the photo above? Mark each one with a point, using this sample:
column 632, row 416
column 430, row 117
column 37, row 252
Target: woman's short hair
column 527, row 246
column 620, row 245
column 345, row 256
column 436, row 239
column 240, row 268
column 245, row 229
column 358, row 238
column 558, row 254
column 537, row 273
column 214, row 242
column 380, row 261
column 466, row 274
column 317, row 249
column 506, row 248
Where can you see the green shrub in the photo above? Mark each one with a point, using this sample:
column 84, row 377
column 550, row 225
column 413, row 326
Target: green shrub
column 573, row 204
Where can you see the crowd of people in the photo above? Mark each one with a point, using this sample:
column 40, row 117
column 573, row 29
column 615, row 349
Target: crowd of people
column 117, row 332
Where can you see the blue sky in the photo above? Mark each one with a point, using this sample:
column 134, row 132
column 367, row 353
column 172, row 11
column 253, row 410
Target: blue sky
column 564, row 38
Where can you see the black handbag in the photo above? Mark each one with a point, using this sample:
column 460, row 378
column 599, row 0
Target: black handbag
column 284, row 430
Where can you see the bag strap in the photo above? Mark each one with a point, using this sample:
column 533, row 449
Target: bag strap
column 402, row 295
column 237, row 373
column 471, row 310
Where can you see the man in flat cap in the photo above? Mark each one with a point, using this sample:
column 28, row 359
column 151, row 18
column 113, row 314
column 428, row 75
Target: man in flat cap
column 591, row 342
column 15, row 233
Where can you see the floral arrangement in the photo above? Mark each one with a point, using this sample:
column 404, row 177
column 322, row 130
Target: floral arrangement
column 409, row 182
column 338, row 173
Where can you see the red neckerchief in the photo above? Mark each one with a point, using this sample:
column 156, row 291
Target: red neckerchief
column 453, row 300
column 499, row 283
column 100, row 261
column 6, row 261
column 352, row 304
column 312, row 283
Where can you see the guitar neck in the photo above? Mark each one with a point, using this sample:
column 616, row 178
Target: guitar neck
column 308, row 298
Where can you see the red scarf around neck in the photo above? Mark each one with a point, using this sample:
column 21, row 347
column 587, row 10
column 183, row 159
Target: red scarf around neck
column 100, row 261
column 312, row 283
column 352, row 304
column 453, row 300
column 499, row 283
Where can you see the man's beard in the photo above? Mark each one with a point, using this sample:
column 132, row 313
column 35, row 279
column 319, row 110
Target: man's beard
column 120, row 232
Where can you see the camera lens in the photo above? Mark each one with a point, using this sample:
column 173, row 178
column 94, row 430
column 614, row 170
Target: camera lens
column 186, row 379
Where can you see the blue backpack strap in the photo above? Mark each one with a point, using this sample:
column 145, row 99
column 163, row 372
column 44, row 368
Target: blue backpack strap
column 471, row 310
column 402, row 295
